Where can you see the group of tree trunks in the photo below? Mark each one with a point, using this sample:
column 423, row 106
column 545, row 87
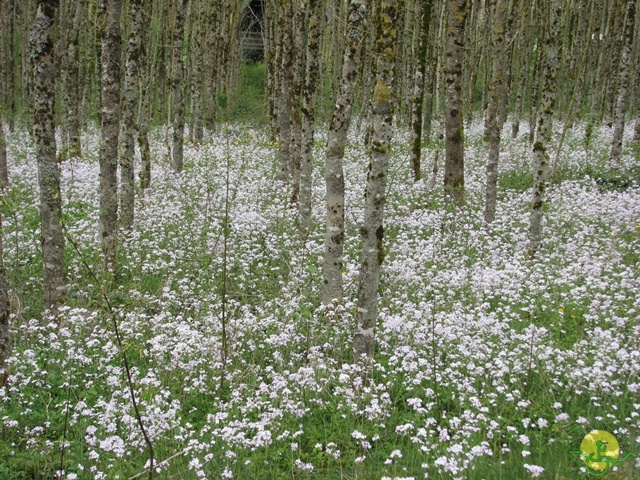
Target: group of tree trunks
column 407, row 61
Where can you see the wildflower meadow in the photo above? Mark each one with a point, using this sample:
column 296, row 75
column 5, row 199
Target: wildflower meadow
column 488, row 364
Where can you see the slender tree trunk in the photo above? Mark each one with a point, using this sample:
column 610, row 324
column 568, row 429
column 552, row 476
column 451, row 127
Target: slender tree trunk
column 636, row 128
column 110, row 60
column 42, row 58
column 177, row 159
column 4, row 328
column 337, row 138
column 375, row 194
column 299, row 27
column 4, row 170
column 543, row 134
column 623, row 78
column 7, row 23
column 493, row 125
column 197, row 80
column 419, row 88
column 312, row 73
column 271, row 55
column 131, row 95
column 454, row 127
column 284, row 80
column 72, row 87
column 144, row 110
column 4, row 183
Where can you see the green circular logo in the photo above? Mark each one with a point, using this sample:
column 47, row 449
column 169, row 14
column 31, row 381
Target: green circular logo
column 599, row 448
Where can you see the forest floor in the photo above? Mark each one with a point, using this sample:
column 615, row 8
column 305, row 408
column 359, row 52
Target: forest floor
column 488, row 365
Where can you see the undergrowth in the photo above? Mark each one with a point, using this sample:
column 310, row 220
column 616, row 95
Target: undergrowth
column 487, row 365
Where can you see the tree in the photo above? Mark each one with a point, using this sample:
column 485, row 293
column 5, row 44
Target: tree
column 375, row 193
column 42, row 59
column 197, row 80
column 308, row 113
column 177, row 160
column 493, row 124
column 417, row 101
column 454, row 128
column 4, row 328
column 110, row 62
column 337, row 138
column 550, row 54
column 144, row 112
column 623, row 79
column 295, row 146
column 70, row 63
column 7, row 16
column 284, row 81
column 131, row 95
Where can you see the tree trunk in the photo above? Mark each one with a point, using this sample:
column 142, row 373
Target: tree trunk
column 493, row 125
column 623, row 78
column 375, row 194
column 4, row 170
column 71, row 91
column 337, row 138
column 110, row 60
column 284, row 80
column 296, row 87
column 419, row 89
column 636, row 128
column 7, row 21
column 177, row 158
column 197, row 129
column 312, row 74
column 4, row 328
column 4, row 183
column 544, row 130
column 454, row 127
column 131, row 94
column 42, row 57
column 144, row 111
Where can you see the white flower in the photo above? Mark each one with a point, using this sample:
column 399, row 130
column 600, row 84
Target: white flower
column 307, row 467
column 534, row 470
column 562, row 417
column 357, row 435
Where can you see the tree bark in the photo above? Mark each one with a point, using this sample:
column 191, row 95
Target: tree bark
column 42, row 58
column 197, row 129
column 299, row 26
column 544, row 130
column 636, row 128
column 7, row 21
column 337, row 138
column 417, row 100
column 623, row 79
column 454, row 127
column 131, row 94
column 4, row 183
column 309, row 91
column 71, row 90
column 284, row 81
column 375, row 194
column 177, row 158
column 4, row 328
column 4, row 169
column 493, row 125
column 110, row 61
column 144, row 112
